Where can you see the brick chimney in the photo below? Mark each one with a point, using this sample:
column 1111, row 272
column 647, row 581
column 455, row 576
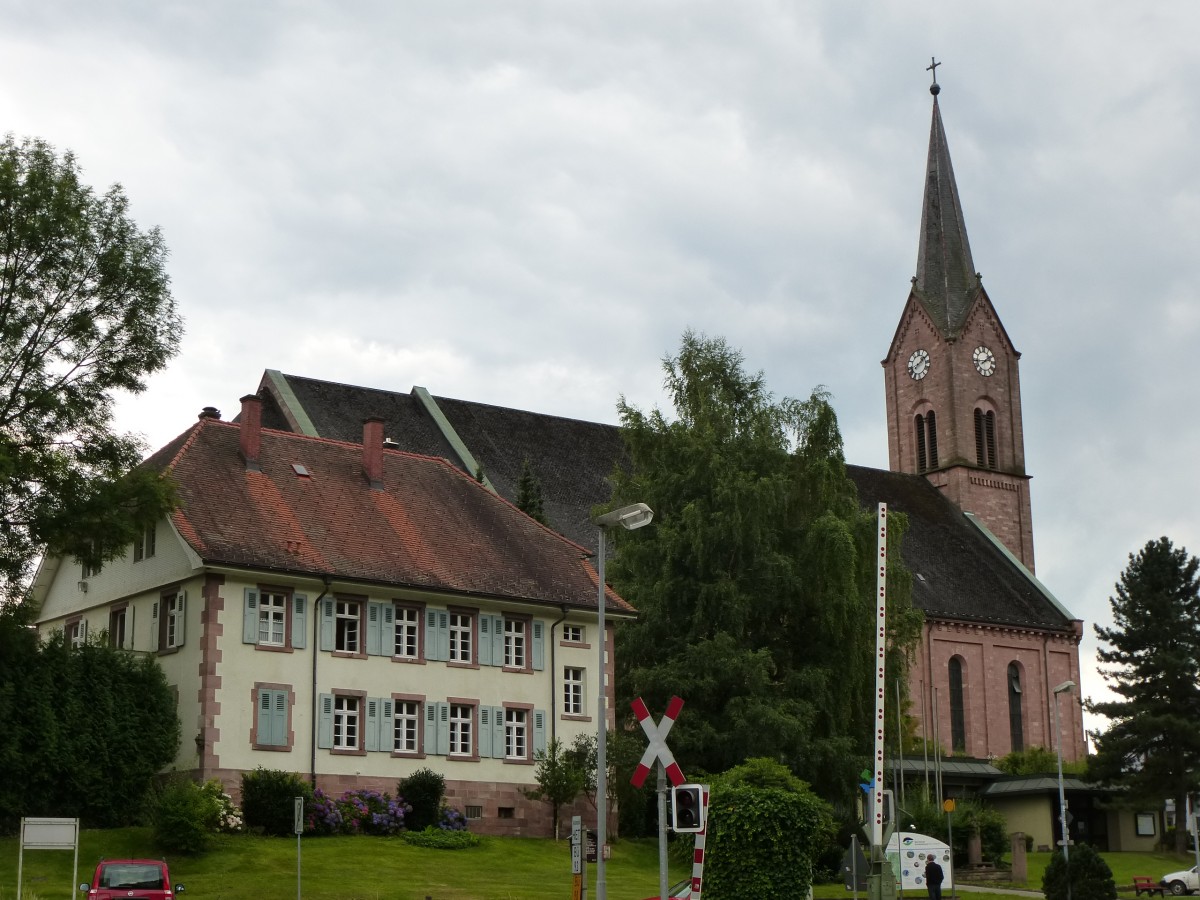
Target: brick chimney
column 251, row 435
column 373, row 451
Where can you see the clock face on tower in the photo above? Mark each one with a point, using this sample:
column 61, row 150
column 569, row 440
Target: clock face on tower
column 918, row 365
column 985, row 361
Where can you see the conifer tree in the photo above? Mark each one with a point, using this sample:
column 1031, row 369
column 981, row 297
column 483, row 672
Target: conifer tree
column 529, row 494
column 1152, row 663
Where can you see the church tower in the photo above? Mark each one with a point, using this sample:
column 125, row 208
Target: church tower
column 951, row 372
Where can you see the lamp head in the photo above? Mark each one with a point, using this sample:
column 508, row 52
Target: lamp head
column 628, row 517
column 1065, row 687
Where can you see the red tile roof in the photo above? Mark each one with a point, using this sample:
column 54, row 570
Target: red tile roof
column 430, row 527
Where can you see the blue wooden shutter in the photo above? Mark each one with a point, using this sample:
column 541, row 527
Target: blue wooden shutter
column 498, row 732
column 263, row 733
column 374, row 628
column 431, row 634
column 498, row 640
column 539, row 731
column 327, row 624
column 443, row 634
column 180, row 608
column 372, row 723
column 443, row 734
column 430, row 737
column 299, row 621
column 154, row 632
column 485, row 731
column 387, row 645
column 250, row 618
column 387, row 725
column 279, row 711
column 538, row 642
column 485, row 641
column 325, row 722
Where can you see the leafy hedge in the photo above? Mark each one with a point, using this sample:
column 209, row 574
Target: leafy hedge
column 85, row 728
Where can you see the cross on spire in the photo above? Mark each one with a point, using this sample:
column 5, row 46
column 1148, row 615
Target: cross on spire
column 932, row 67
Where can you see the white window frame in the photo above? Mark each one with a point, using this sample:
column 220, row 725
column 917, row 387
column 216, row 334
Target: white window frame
column 173, row 614
column 574, row 688
column 462, row 718
column 347, row 626
column 144, row 544
column 272, row 614
column 462, row 627
column 515, row 649
column 406, row 727
column 407, row 639
column 347, row 722
column 76, row 633
column 572, row 634
column 516, row 733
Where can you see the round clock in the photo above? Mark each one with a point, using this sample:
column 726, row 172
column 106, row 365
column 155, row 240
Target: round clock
column 985, row 361
column 918, row 365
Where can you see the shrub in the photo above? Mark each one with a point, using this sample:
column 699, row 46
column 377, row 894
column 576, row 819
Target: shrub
column 183, row 817
column 452, row 820
column 268, row 800
column 228, row 816
column 437, row 839
column 1089, row 875
column 356, row 812
column 423, row 791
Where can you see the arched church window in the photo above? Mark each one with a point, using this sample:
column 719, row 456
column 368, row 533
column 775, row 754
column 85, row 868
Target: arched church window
column 1016, row 728
column 925, row 427
column 985, row 438
column 958, row 714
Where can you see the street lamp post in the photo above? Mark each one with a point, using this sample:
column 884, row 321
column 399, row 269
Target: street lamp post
column 629, row 518
column 1064, row 688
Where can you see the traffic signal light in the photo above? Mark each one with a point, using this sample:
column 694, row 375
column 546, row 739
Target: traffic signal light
column 687, row 808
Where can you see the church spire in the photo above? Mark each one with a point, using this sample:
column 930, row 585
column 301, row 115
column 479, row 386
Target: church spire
column 946, row 281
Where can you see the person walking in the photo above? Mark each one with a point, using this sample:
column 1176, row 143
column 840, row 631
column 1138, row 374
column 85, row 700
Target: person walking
column 933, row 878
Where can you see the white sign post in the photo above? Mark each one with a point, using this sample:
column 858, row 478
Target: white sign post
column 49, row 834
column 298, row 824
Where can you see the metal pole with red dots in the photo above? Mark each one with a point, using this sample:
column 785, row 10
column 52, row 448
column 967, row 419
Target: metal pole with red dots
column 880, row 655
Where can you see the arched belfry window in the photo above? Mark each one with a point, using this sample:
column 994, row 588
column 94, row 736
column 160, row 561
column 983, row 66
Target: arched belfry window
column 958, row 713
column 925, row 427
column 1016, row 728
column 985, row 438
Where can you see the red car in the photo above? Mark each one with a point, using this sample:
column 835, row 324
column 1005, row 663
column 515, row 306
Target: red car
column 131, row 879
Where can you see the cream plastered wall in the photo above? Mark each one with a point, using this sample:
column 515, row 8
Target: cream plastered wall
column 243, row 666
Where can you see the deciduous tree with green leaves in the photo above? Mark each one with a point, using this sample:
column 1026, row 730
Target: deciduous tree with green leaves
column 85, row 311
column 1150, row 658
column 560, row 778
column 755, row 584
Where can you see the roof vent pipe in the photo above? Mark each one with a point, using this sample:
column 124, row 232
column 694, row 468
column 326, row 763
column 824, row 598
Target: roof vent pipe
column 209, row 412
column 250, row 442
column 373, row 451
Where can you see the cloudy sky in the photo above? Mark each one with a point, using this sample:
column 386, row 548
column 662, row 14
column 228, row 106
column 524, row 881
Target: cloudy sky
column 525, row 203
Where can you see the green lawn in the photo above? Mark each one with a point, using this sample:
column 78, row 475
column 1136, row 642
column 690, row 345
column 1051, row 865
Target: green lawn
column 345, row 868
column 362, row 868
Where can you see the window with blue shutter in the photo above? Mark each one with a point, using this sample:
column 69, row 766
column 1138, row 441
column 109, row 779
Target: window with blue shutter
column 374, row 630
column 485, row 731
column 485, row 641
column 272, row 726
column 372, row 735
column 539, row 731
column 431, row 729
column 327, row 624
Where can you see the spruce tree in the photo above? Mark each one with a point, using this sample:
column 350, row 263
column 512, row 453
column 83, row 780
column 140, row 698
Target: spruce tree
column 1151, row 661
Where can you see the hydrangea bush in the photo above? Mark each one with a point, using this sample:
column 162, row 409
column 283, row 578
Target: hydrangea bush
column 357, row 812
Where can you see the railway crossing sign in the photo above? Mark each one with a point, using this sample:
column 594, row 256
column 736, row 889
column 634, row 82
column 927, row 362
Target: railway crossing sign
column 657, row 735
